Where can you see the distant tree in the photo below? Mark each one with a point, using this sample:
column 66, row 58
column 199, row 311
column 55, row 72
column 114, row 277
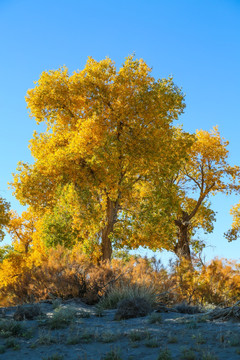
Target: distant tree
column 107, row 132
column 21, row 229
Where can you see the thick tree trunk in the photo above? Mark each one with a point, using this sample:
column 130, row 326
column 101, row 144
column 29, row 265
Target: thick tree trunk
column 182, row 248
column 111, row 218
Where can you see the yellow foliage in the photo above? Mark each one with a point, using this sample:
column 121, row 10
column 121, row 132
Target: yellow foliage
column 107, row 130
column 216, row 283
column 174, row 210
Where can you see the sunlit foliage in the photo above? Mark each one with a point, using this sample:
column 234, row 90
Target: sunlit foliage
column 108, row 134
column 21, row 229
column 206, row 172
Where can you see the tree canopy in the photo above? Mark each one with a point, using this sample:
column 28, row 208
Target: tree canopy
column 109, row 134
column 205, row 172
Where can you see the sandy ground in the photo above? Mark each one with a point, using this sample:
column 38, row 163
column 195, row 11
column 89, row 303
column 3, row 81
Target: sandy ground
column 90, row 337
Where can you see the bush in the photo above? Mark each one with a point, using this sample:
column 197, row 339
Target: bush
column 132, row 308
column 61, row 318
column 10, row 328
column 119, row 293
column 27, row 312
column 68, row 273
column 184, row 308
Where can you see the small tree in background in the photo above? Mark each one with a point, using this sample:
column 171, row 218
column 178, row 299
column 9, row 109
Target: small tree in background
column 21, row 228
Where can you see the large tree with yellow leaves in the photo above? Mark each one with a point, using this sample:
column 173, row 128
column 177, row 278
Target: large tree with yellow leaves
column 108, row 134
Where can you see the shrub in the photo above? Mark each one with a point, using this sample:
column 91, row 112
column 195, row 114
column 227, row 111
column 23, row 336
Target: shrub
column 27, row 312
column 184, row 308
column 61, row 318
column 187, row 354
column 12, row 343
column 132, row 308
column 114, row 354
column 117, row 294
column 164, row 355
column 45, row 338
column 138, row 335
column 55, row 356
column 155, row 318
column 10, row 328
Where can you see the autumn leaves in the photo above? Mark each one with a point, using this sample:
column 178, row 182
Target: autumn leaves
column 112, row 170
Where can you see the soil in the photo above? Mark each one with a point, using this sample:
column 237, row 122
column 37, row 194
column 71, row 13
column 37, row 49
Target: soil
column 90, row 337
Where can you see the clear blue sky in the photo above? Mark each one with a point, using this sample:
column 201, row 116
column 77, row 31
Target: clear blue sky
column 198, row 42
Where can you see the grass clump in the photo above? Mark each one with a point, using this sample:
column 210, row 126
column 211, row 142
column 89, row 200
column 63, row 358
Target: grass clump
column 132, row 308
column 184, row 308
column 192, row 324
column 155, row 318
column 152, row 343
column 138, row 335
column 235, row 340
column 62, row 317
column 11, row 343
column 117, row 294
column 56, row 303
column 45, row 338
column 55, row 356
column 2, row 349
column 206, row 355
column 76, row 336
column 114, row 354
column 199, row 338
column 83, row 314
column 9, row 328
column 108, row 337
column 73, row 339
column 164, row 355
column 172, row 339
column 188, row 354
column 86, row 337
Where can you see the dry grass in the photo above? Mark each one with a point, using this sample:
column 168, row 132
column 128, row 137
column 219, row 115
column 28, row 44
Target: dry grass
column 122, row 292
column 65, row 274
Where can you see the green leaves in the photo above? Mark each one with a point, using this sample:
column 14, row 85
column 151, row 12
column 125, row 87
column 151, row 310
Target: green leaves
column 4, row 216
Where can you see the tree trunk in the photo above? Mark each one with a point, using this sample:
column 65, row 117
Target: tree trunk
column 111, row 218
column 182, row 248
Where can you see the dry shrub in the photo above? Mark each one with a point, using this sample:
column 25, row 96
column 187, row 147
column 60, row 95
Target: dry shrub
column 217, row 283
column 64, row 273
column 144, row 273
column 61, row 274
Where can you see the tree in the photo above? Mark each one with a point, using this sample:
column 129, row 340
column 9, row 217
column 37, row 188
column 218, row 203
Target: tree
column 106, row 132
column 206, row 172
column 58, row 225
column 4, row 216
column 233, row 233
column 21, row 229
